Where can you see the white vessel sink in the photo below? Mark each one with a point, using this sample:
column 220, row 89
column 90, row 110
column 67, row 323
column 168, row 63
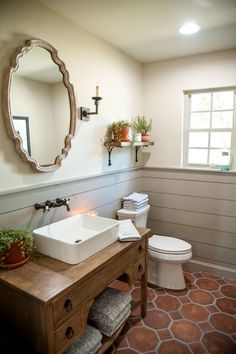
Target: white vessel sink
column 76, row 238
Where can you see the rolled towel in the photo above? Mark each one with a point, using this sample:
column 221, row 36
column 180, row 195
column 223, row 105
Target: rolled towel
column 110, row 303
column 88, row 343
column 109, row 328
column 136, row 197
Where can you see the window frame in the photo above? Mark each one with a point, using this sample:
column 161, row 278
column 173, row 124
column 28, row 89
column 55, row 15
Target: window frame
column 187, row 129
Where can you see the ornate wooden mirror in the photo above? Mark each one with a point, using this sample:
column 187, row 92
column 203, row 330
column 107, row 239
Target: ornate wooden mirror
column 39, row 105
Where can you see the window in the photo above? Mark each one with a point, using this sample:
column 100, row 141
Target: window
column 209, row 128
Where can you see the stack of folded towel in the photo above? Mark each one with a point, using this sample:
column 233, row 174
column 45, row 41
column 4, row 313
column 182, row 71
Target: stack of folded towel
column 88, row 343
column 135, row 201
column 109, row 310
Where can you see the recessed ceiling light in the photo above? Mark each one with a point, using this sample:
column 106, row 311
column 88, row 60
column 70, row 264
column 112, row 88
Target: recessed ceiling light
column 189, row 28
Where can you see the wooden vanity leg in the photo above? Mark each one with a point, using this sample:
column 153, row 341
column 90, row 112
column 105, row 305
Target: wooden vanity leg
column 143, row 295
column 144, row 283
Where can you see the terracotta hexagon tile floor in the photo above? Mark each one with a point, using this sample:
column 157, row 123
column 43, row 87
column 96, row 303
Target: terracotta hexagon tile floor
column 167, row 303
column 195, row 312
column 200, row 319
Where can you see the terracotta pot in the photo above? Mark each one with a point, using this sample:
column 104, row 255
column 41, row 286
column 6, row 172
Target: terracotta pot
column 145, row 137
column 124, row 134
column 14, row 255
column 116, row 135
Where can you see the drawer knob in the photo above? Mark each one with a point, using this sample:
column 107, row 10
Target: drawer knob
column 69, row 332
column 68, row 305
column 141, row 249
column 140, row 268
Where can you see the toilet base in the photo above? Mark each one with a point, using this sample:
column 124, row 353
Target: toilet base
column 166, row 275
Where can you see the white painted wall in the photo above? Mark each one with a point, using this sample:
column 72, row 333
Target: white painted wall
column 89, row 60
column 164, row 83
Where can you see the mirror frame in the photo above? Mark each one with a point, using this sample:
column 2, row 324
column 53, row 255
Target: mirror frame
column 6, row 104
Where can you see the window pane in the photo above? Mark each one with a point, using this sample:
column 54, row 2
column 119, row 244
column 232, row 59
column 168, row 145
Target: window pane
column 198, row 139
column 223, row 100
column 222, row 119
column 219, row 157
column 201, row 102
column 200, row 120
column 197, row 156
column 220, row 140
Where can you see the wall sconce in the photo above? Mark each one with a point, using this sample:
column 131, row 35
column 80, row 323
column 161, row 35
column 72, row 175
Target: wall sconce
column 85, row 112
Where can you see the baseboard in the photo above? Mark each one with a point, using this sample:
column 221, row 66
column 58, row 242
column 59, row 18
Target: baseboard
column 211, row 268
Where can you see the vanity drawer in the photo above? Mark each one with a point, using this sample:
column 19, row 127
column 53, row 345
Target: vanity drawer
column 67, row 305
column 139, row 268
column 67, row 333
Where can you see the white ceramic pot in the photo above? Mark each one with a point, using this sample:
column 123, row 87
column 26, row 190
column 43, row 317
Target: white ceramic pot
column 138, row 137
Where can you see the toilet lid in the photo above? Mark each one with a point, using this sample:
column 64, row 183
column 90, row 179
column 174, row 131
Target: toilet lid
column 171, row 245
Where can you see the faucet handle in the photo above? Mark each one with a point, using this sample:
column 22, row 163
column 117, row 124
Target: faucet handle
column 43, row 206
column 46, row 208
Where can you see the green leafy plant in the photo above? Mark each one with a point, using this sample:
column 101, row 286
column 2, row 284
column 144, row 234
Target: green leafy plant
column 108, row 134
column 23, row 237
column 142, row 125
column 115, row 126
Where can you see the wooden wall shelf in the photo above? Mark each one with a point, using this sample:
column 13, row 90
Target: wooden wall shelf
column 135, row 144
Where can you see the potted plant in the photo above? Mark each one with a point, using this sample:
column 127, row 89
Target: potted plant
column 118, row 131
column 124, row 129
column 142, row 126
column 15, row 246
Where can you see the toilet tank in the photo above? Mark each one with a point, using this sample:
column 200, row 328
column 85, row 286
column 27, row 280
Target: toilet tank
column 139, row 218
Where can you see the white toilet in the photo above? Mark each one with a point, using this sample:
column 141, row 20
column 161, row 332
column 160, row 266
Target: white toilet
column 166, row 254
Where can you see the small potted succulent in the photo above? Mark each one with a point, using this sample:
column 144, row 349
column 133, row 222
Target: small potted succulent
column 15, row 246
column 142, row 126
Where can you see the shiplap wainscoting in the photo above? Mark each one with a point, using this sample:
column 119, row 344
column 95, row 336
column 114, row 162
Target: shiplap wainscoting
column 199, row 207
column 101, row 194
column 196, row 206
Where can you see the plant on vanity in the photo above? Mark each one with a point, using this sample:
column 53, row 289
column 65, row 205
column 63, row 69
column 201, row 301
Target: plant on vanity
column 15, row 246
column 142, row 126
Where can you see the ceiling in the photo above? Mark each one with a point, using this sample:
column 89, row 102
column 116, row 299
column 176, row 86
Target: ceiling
column 147, row 30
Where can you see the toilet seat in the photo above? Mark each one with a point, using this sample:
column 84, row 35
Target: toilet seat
column 168, row 245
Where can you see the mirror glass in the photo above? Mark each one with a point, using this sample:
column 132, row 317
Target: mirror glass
column 41, row 105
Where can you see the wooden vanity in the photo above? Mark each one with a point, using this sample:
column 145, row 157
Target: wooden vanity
column 47, row 301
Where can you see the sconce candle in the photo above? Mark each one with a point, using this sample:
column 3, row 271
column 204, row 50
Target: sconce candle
column 85, row 112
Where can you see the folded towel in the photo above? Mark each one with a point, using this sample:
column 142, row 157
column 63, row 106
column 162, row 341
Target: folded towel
column 127, row 231
column 110, row 303
column 109, row 328
column 136, row 197
column 131, row 202
column 134, row 207
column 88, row 343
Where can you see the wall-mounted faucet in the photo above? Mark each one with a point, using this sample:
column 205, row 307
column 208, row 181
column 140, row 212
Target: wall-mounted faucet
column 63, row 201
column 46, row 206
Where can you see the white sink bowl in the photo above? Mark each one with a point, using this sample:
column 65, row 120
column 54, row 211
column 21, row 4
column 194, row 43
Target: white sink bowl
column 76, row 238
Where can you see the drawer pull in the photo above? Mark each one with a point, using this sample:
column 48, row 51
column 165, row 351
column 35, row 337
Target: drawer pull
column 68, row 305
column 69, row 332
column 140, row 268
column 141, row 249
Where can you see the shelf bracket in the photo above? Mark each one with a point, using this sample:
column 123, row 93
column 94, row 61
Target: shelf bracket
column 136, row 152
column 109, row 154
